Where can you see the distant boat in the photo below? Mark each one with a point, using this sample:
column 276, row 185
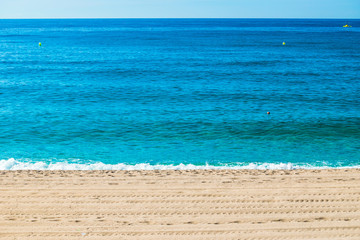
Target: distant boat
column 347, row 25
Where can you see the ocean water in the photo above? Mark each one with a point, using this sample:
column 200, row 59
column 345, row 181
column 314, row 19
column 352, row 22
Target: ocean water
column 179, row 93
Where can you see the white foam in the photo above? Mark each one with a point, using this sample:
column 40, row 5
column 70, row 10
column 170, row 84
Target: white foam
column 12, row 164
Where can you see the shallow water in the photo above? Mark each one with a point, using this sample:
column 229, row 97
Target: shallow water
column 179, row 91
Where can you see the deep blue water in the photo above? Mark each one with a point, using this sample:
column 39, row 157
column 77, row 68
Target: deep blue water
column 171, row 91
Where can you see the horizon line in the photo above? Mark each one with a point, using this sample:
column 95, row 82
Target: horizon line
column 45, row 18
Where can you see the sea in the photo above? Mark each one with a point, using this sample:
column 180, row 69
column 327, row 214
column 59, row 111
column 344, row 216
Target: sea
column 143, row 94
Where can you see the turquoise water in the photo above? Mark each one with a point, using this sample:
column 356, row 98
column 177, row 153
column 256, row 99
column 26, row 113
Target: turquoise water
column 113, row 93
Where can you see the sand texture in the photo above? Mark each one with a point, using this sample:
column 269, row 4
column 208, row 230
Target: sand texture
column 211, row 204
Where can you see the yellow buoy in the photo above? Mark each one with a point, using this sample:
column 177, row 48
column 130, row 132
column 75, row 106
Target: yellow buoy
column 284, row 43
column 39, row 44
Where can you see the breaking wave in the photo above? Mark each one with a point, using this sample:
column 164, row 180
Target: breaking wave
column 12, row 164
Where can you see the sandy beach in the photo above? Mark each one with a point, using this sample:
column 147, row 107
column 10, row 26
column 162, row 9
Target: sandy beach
column 197, row 204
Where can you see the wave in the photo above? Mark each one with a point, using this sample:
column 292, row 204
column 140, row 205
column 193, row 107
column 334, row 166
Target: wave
column 12, row 164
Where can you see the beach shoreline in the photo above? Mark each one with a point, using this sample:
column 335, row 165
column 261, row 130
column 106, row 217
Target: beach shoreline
column 180, row 204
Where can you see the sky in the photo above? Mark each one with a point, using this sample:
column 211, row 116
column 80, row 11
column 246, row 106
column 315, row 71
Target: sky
column 179, row 9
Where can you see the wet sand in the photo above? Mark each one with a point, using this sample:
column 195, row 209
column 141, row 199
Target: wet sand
column 198, row 204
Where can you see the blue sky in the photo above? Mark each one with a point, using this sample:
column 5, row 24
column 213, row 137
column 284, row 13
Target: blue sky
column 179, row 8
